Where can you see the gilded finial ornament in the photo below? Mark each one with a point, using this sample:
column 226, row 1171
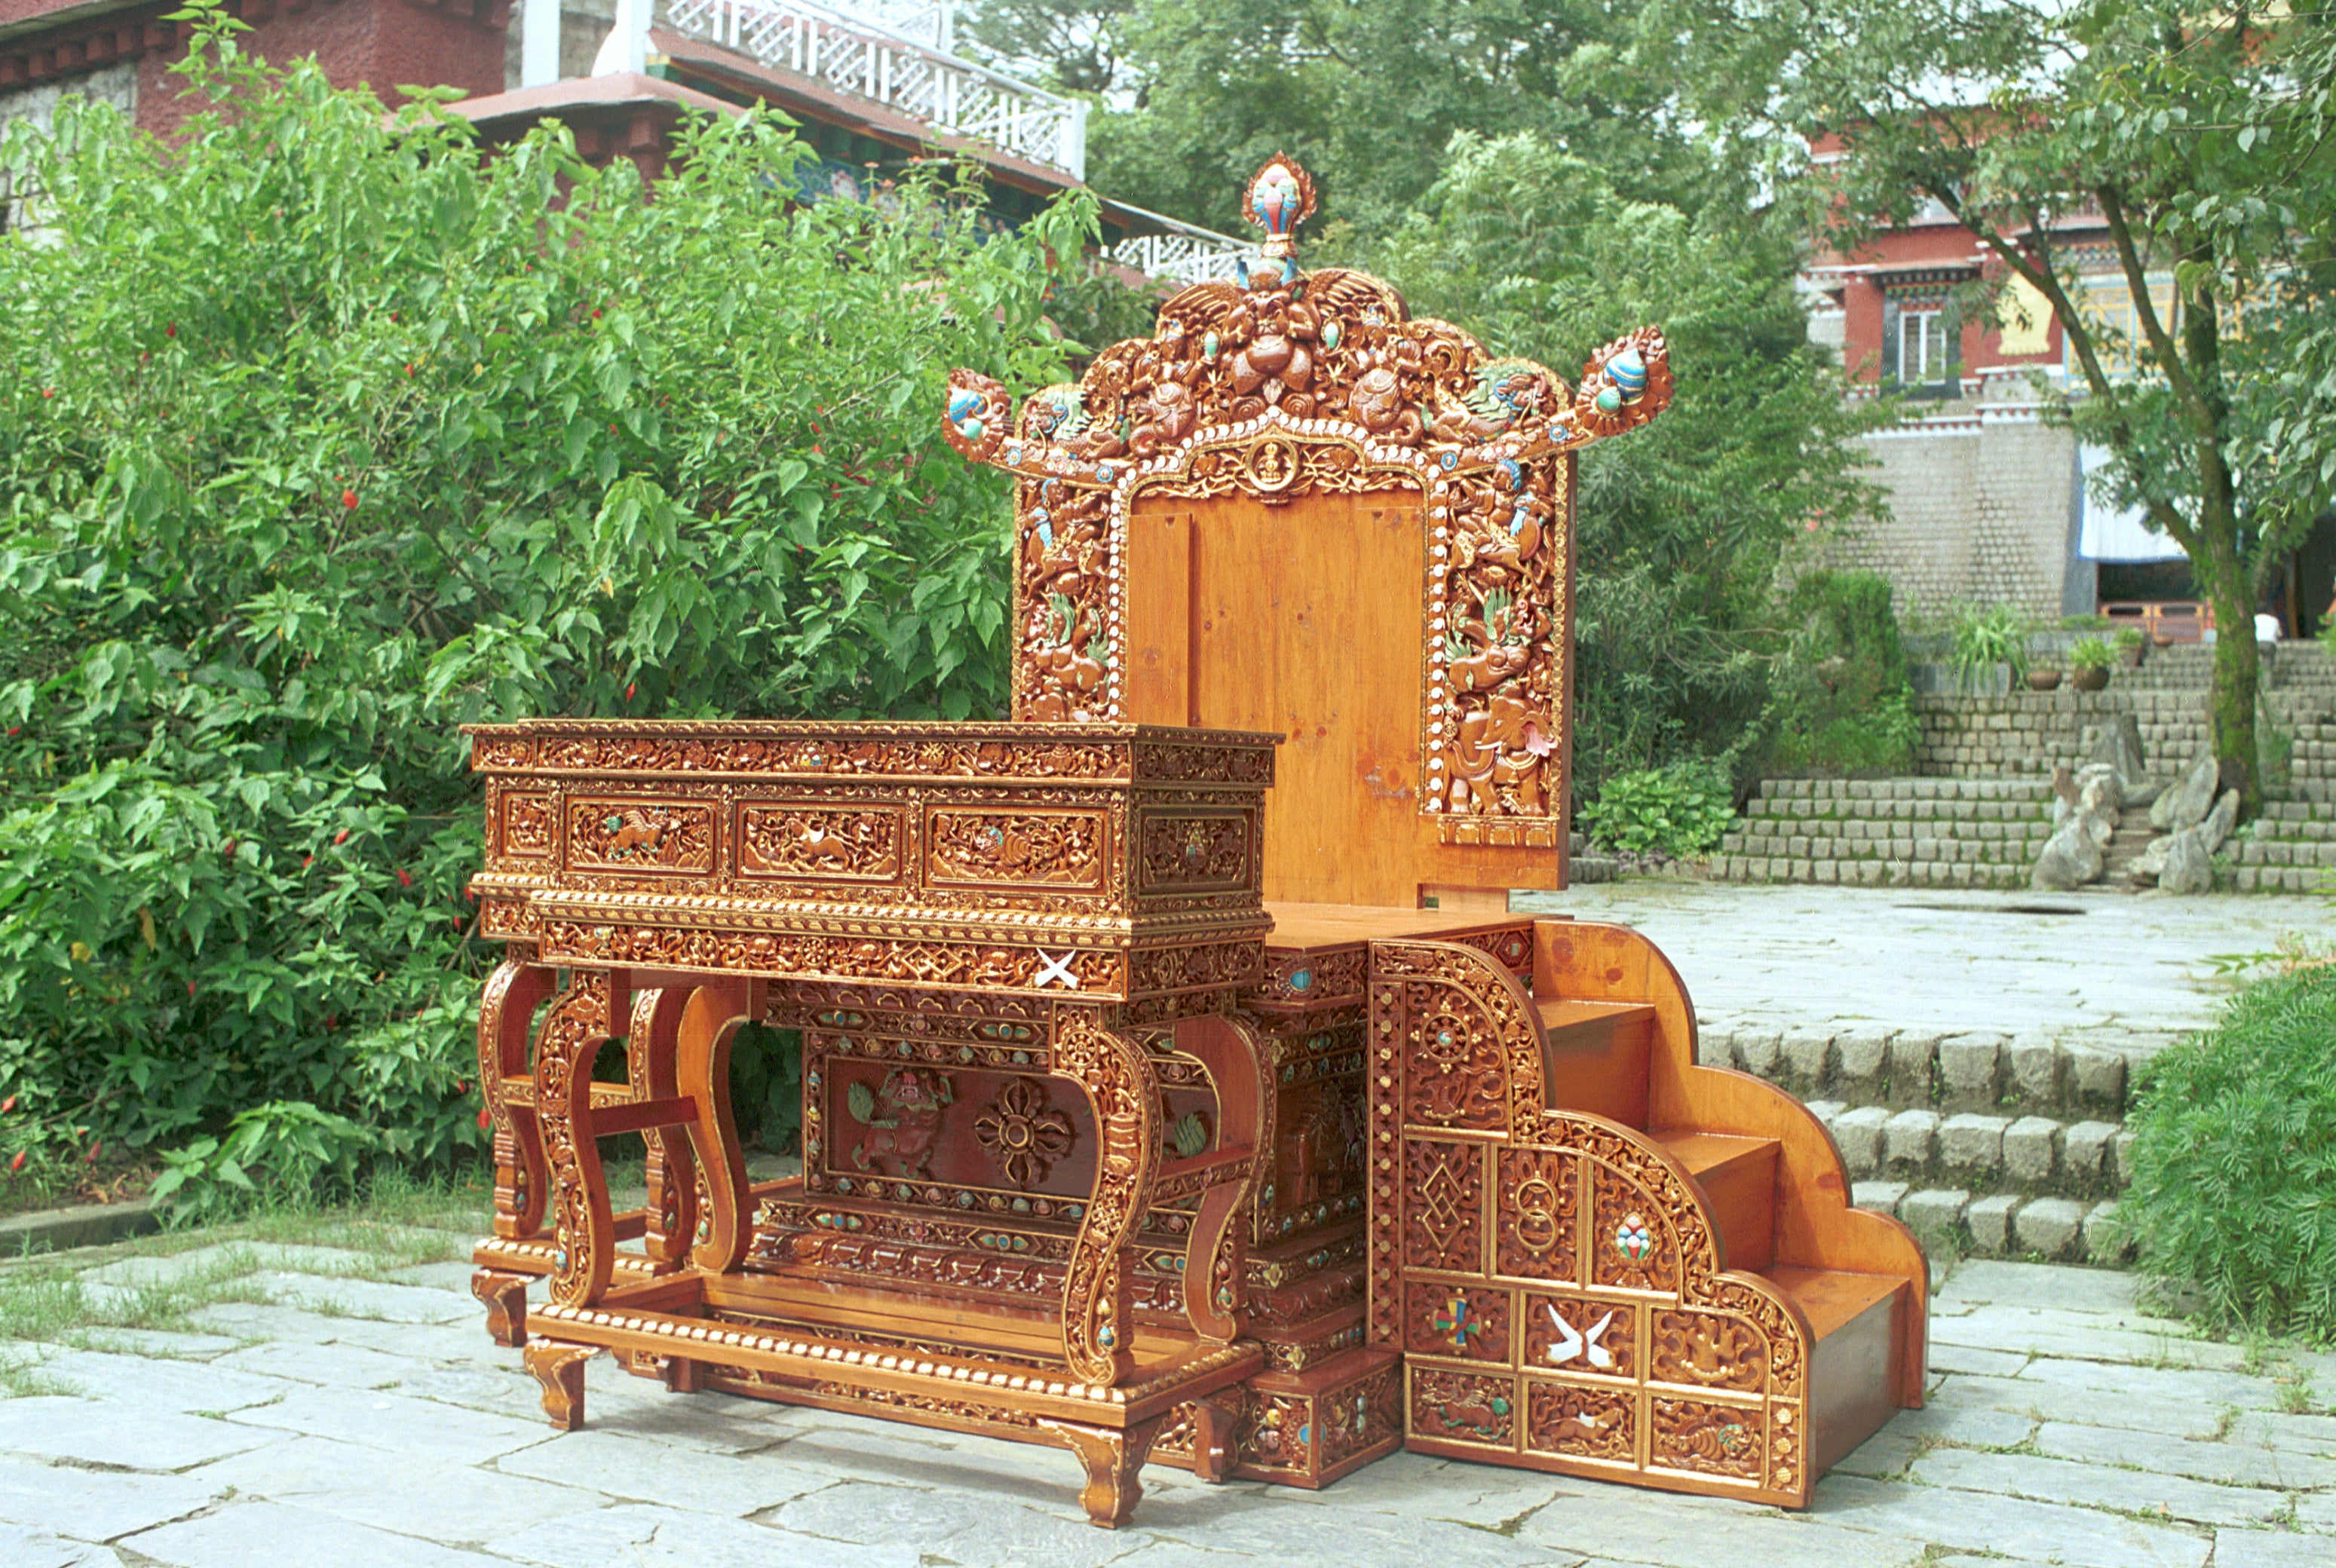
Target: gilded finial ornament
column 1281, row 196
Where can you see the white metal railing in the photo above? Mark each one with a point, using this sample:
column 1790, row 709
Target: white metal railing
column 1187, row 255
column 861, row 53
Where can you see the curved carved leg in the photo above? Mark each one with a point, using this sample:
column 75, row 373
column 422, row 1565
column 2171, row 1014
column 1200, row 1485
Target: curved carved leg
column 505, row 1296
column 1215, row 1291
column 560, row 1368
column 506, row 1007
column 1099, row 1294
column 672, row 1173
column 1114, row 1459
column 708, row 1024
column 583, row 1230
column 1216, row 1419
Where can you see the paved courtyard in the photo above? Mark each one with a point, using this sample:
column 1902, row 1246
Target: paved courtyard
column 327, row 1418
column 2121, row 970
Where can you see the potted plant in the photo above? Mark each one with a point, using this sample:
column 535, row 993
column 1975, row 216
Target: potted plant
column 2091, row 658
column 2130, row 646
column 1986, row 638
column 2043, row 680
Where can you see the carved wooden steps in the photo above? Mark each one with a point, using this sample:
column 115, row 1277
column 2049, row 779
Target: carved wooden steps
column 1773, row 1185
column 1601, row 1259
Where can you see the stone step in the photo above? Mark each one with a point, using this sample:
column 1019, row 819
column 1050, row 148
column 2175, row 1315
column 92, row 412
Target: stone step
column 2001, row 1225
column 2034, row 1156
column 1982, row 1071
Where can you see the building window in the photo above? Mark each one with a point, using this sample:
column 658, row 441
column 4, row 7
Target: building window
column 1922, row 347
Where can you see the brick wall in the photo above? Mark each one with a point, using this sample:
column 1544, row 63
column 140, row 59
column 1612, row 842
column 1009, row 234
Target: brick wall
column 1982, row 499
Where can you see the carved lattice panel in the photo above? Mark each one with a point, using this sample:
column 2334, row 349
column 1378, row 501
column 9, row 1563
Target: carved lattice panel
column 1443, row 1205
column 1631, row 1242
column 1456, row 1321
column 1537, row 1221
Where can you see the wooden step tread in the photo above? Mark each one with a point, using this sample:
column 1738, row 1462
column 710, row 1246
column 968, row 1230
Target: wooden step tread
column 1833, row 1297
column 1579, row 1019
column 1708, row 1154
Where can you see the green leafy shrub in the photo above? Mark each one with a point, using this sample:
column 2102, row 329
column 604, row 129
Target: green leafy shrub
column 1840, row 703
column 2127, row 639
column 1985, row 637
column 1676, row 812
column 2090, row 653
column 2234, row 1158
column 323, row 432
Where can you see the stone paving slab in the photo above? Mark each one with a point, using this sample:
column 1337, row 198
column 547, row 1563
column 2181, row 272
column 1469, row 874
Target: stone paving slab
column 2123, row 969
column 2071, row 1430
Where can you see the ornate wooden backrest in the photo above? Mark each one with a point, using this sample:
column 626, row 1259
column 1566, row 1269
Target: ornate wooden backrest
column 1296, row 508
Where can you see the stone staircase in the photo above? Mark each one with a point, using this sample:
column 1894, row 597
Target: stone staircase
column 1980, row 808
column 1980, row 1142
column 1889, row 832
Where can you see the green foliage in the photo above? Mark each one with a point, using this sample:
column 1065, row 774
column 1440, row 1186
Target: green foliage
column 2234, row 1158
column 1840, row 703
column 2091, row 654
column 297, row 1150
column 1676, row 811
column 1369, row 92
column 2128, row 638
column 1683, row 525
column 322, row 433
column 1986, row 635
column 2190, row 146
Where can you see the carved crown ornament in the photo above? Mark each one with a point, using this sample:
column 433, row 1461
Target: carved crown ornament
column 1287, row 383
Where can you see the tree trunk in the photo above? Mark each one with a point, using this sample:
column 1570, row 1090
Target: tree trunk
column 2237, row 677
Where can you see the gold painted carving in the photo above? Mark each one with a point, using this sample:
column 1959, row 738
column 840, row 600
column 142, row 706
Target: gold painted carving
column 821, row 842
column 1051, row 849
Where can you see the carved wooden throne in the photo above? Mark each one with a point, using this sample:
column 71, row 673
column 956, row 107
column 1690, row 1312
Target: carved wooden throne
column 1296, row 508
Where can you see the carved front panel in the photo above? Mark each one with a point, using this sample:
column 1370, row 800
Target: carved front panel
column 1631, row 1243
column 1464, row 1323
column 1443, row 1205
column 1059, row 850
column 640, row 837
column 815, row 842
column 1708, row 1438
column 1708, row 1351
column 1583, row 1337
column 1463, row 1406
column 1570, row 1420
column 1538, row 1225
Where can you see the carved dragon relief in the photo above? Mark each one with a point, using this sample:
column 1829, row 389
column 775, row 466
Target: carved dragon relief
column 1289, row 382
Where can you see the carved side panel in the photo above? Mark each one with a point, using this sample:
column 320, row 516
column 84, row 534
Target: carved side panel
column 1584, row 1325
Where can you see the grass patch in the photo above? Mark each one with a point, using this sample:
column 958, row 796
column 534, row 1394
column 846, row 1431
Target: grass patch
column 401, row 1223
